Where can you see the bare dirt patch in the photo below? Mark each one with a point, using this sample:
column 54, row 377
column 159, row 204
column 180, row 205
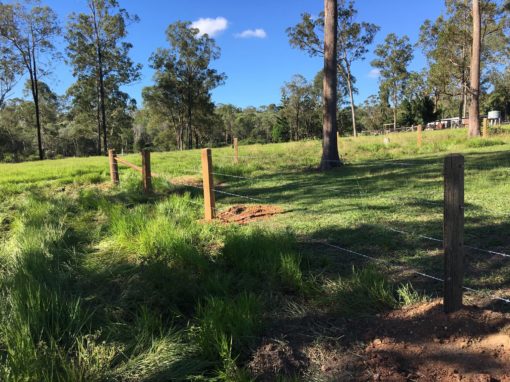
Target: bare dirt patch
column 418, row 343
column 276, row 359
column 244, row 213
column 421, row 343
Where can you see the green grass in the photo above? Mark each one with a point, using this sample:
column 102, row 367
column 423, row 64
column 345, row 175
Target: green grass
column 106, row 284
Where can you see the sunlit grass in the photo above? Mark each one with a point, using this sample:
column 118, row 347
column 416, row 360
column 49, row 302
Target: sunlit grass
column 106, row 283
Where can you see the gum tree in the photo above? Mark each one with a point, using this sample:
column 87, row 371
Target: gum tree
column 393, row 58
column 353, row 40
column 29, row 30
column 330, row 157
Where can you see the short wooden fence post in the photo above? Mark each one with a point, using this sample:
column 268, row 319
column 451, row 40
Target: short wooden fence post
column 146, row 171
column 453, row 232
column 419, row 137
column 485, row 131
column 114, row 167
column 236, row 151
column 209, row 203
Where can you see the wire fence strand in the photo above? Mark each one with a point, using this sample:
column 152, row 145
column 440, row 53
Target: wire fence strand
column 492, row 297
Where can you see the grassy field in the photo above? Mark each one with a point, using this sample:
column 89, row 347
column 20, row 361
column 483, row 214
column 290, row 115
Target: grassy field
column 102, row 283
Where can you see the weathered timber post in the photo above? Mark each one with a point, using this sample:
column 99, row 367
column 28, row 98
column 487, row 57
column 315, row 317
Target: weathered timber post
column 114, row 167
column 419, row 136
column 485, row 131
column 146, row 171
column 453, row 232
column 209, row 203
column 236, row 151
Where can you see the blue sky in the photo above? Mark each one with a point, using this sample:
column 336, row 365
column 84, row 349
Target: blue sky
column 258, row 61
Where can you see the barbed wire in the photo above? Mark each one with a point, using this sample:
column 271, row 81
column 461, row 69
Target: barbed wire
column 440, row 241
column 237, row 195
column 493, row 297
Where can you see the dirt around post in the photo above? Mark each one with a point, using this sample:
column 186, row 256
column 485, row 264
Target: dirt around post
column 245, row 213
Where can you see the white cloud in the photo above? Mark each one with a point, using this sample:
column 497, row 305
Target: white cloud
column 252, row 33
column 374, row 73
column 210, row 26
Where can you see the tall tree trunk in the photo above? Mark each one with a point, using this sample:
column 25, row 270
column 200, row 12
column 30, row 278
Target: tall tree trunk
column 474, row 91
column 351, row 95
column 353, row 110
column 35, row 95
column 98, row 119
column 190, row 136
column 330, row 157
column 296, row 137
column 100, row 71
column 395, row 107
column 102, row 99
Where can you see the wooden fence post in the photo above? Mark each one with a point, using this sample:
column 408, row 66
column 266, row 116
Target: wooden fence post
column 114, row 167
column 146, row 171
column 207, row 176
column 485, row 131
column 419, row 135
column 453, row 232
column 236, row 151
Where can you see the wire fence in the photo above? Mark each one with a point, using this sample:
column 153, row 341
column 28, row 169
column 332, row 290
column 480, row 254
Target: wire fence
column 226, row 193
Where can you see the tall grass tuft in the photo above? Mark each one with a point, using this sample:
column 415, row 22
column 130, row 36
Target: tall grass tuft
column 366, row 291
column 227, row 320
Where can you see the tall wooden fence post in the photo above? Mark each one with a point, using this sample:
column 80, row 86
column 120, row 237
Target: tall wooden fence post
column 453, row 232
column 485, row 131
column 114, row 167
column 209, row 203
column 146, row 171
column 236, row 151
column 419, row 137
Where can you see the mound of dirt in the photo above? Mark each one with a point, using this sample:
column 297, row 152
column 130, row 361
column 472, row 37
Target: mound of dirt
column 244, row 214
column 276, row 359
column 422, row 343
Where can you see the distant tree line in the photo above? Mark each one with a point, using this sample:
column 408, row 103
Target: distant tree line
column 95, row 113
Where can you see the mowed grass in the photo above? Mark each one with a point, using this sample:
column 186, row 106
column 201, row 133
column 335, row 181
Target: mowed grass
column 103, row 283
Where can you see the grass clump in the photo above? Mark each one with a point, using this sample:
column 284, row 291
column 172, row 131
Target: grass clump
column 476, row 143
column 227, row 321
column 366, row 291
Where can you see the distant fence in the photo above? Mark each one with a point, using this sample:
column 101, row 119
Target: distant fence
column 145, row 170
column 453, row 213
column 437, row 125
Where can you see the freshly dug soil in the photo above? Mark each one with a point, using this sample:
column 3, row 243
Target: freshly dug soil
column 422, row 343
column 418, row 343
column 244, row 214
column 276, row 358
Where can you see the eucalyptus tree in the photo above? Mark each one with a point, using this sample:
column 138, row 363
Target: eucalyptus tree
column 393, row 58
column 11, row 67
column 183, row 80
column 29, row 30
column 474, row 90
column 99, row 55
column 353, row 40
column 330, row 157
column 298, row 104
column 228, row 114
column 447, row 44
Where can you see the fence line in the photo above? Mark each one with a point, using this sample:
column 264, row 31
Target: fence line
column 438, row 240
column 238, row 195
column 453, row 216
column 386, row 262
